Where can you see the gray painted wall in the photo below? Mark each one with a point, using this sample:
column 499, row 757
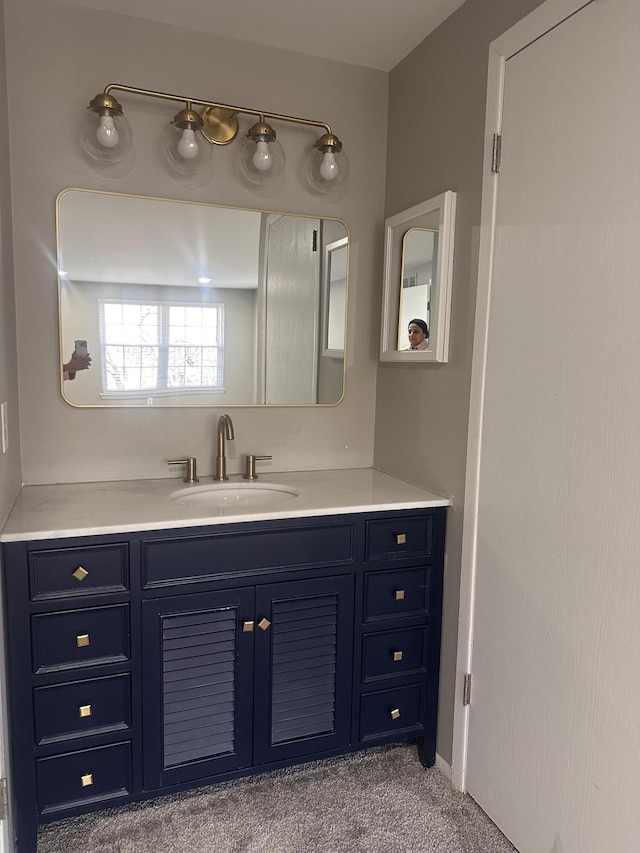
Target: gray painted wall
column 435, row 143
column 9, row 462
column 58, row 57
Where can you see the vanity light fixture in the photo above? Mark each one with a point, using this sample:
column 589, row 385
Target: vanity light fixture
column 105, row 136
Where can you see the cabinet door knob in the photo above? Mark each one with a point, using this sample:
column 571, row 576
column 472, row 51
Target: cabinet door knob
column 82, row 640
column 399, row 595
column 247, row 627
column 85, row 710
column 395, row 713
column 401, row 539
column 397, row 655
column 87, row 779
column 264, row 623
column 80, row 573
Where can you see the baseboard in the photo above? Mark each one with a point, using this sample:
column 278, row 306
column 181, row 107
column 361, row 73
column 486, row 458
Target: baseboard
column 442, row 766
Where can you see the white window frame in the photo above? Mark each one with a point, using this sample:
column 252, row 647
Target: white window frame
column 163, row 345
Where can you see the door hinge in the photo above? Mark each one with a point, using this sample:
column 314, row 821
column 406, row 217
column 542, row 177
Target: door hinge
column 466, row 689
column 314, row 241
column 4, row 800
column 496, row 152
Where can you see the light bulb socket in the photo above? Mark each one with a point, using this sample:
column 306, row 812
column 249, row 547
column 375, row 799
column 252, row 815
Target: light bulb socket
column 188, row 119
column 105, row 105
column 328, row 143
column 261, row 131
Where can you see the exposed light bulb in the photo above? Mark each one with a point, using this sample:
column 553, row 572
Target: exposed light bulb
column 262, row 158
column 107, row 134
column 188, row 146
column 329, row 167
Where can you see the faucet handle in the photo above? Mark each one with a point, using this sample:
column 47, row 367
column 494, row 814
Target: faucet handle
column 190, row 462
column 250, row 469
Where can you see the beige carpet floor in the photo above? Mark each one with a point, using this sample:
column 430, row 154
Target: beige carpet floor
column 378, row 801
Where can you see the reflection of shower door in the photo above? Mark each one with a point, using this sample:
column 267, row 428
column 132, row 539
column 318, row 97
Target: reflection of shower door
column 290, row 307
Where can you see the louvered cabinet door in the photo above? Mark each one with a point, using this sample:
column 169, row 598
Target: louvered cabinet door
column 303, row 667
column 197, row 684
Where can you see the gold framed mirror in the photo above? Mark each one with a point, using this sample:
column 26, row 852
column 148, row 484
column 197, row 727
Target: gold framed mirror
column 189, row 304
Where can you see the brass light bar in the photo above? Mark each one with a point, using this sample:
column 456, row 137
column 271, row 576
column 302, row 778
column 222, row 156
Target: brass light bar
column 220, row 120
column 105, row 137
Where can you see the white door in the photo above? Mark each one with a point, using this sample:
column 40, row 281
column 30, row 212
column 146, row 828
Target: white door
column 553, row 752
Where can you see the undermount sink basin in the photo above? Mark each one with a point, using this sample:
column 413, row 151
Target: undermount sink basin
column 233, row 494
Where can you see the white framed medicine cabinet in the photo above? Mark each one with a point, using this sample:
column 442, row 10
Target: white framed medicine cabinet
column 418, row 270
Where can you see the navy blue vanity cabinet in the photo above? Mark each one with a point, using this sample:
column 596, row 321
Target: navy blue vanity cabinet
column 245, row 677
column 71, row 674
column 197, row 677
column 143, row 664
column 400, row 613
column 258, row 670
column 303, row 668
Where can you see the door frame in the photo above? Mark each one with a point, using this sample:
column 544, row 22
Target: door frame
column 547, row 16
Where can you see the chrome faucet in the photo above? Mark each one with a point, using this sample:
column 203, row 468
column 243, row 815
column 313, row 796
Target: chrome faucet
column 225, row 430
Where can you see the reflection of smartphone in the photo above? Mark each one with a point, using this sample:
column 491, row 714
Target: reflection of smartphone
column 81, row 348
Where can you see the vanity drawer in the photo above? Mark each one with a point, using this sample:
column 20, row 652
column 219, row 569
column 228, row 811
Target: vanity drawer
column 90, row 775
column 397, row 652
column 199, row 558
column 404, row 536
column 85, row 637
column 398, row 592
column 78, row 571
column 392, row 711
column 82, row 708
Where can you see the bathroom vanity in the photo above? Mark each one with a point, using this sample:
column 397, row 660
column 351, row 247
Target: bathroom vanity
column 156, row 645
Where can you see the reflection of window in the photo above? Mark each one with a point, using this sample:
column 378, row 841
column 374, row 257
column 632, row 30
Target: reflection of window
column 161, row 346
column 410, row 281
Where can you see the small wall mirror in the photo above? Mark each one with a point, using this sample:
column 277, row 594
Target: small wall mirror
column 189, row 304
column 418, row 266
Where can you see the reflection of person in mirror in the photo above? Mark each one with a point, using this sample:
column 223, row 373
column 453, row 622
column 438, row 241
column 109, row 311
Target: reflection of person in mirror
column 75, row 363
column 418, row 335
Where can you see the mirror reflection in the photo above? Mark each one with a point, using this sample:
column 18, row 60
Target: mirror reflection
column 335, row 290
column 419, row 254
column 168, row 303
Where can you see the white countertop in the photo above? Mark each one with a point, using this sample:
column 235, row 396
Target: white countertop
column 85, row 509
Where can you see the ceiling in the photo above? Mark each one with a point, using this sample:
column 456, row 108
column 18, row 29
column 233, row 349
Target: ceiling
column 153, row 241
column 372, row 33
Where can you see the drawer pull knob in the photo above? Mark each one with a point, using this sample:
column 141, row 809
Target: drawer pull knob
column 401, row 539
column 247, row 627
column 264, row 623
column 397, row 655
column 395, row 713
column 80, row 573
column 85, row 710
column 86, row 780
column 399, row 595
column 82, row 640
